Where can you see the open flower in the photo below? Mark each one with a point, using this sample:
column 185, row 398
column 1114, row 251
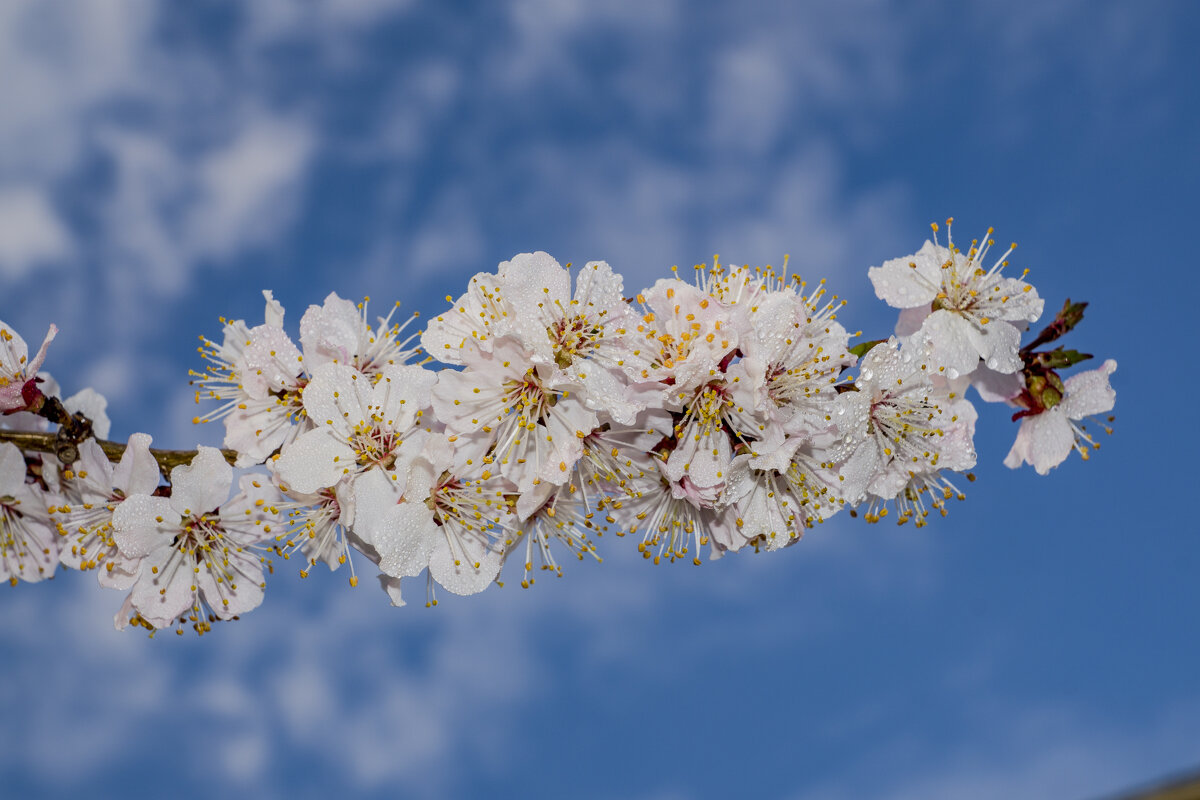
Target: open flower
column 585, row 337
column 364, row 432
column 900, row 430
column 507, row 413
column 1046, row 439
column 200, row 552
column 447, row 522
column 969, row 311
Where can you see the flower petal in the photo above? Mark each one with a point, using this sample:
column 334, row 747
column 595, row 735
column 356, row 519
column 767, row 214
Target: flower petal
column 202, row 485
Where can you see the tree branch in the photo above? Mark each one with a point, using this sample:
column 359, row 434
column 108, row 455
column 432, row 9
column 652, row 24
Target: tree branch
column 52, row 443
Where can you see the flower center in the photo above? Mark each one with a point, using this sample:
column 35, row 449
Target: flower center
column 573, row 337
column 373, row 446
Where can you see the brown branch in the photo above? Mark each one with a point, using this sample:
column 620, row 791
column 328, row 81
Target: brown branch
column 68, row 452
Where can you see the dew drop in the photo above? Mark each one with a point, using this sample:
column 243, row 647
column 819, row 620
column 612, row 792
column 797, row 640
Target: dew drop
column 951, row 373
column 993, row 363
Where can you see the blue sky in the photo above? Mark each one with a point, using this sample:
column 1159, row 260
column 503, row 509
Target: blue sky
column 159, row 166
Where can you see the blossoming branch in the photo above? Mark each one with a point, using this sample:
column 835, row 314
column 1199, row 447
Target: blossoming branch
column 697, row 417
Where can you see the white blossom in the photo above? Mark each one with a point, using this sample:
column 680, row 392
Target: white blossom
column 586, row 338
column 970, row 312
column 682, row 336
column 366, row 433
column 900, row 430
column 448, row 523
column 507, row 413
column 200, row 552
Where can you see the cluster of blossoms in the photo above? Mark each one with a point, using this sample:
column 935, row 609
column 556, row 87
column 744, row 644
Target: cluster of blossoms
column 702, row 416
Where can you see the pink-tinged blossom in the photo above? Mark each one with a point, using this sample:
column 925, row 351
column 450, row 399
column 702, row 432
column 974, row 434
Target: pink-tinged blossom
column 967, row 311
column 28, row 542
column 1045, row 440
column 18, row 375
column 617, row 459
column 201, row 553
column 712, row 420
column 505, row 413
column 95, row 488
column 682, row 336
column 674, row 518
column 86, row 401
column 794, row 351
column 259, row 374
column 365, row 433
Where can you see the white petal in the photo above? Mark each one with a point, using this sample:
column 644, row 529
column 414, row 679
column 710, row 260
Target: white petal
column 273, row 314
column 137, row 473
column 337, row 397
column 144, row 524
column 239, row 591
column 539, row 289
column 996, row 387
column 406, row 540
column 910, row 320
column 392, row 587
column 998, row 344
column 1044, row 440
column 375, row 494
column 598, row 287
column 401, row 392
column 1089, row 392
column 900, row 284
column 314, row 461
column 464, row 578
column 12, row 468
column 1021, row 305
column 952, row 341
column 162, row 596
column 479, row 315
column 271, row 362
column 329, row 333
column 202, row 485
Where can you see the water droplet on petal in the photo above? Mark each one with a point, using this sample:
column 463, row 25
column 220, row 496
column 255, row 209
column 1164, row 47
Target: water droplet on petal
column 951, row 373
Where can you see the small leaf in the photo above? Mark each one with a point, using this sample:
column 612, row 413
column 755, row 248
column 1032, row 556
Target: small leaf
column 1058, row 358
column 862, row 348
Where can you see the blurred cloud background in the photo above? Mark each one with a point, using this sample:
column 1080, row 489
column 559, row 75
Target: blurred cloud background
column 162, row 163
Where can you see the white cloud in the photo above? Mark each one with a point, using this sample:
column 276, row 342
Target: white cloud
column 31, row 232
column 248, row 190
column 59, row 61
